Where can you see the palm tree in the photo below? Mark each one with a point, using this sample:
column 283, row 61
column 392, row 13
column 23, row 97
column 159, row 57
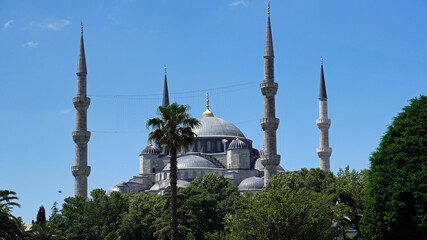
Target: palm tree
column 10, row 227
column 174, row 130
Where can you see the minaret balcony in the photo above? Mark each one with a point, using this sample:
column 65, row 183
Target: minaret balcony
column 269, row 88
column 80, row 170
column 324, row 152
column 269, row 123
column 81, row 136
column 268, row 160
column 81, row 103
column 323, row 123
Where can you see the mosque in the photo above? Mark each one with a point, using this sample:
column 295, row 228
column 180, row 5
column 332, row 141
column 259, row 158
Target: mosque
column 220, row 148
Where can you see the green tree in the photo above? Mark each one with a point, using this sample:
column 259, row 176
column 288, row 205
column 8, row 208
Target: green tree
column 92, row 218
column 138, row 223
column 350, row 190
column 209, row 200
column 174, row 130
column 289, row 207
column 10, row 227
column 396, row 196
column 41, row 216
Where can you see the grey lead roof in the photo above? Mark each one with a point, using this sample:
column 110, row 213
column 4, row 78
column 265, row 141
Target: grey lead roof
column 251, row 183
column 81, row 65
column 237, row 144
column 213, row 126
column 150, row 149
column 322, row 89
column 268, row 51
column 191, row 161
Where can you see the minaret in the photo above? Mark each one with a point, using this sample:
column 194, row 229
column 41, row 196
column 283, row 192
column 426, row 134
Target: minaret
column 81, row 136
column 269, row 123
column 323, row 123
column 165, row 101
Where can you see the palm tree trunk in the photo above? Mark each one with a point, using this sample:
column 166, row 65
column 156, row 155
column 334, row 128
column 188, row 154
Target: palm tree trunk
column 174, row 202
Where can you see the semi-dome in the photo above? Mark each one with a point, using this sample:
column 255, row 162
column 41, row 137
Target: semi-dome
column 213, row 126
column 260, row 167
column 191, row 161
column 180, row 183
column 237, row 144
column 252, row 183
column 150, row 149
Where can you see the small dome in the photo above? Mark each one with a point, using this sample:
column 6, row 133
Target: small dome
column 191, row 161
column 166, row 183
column 150, row 149
column 260, row 167
column 237, row 144
column 116, row 188
column 252, row 183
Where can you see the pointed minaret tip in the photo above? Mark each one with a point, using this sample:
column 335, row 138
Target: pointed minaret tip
column 81, row 64
column 322, row 89
column 165, row 101
column 268, row 51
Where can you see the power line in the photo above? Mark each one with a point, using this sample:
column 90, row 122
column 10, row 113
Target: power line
column 197, row 92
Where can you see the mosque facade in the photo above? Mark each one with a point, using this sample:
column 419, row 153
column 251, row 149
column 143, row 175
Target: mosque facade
column 220, row 148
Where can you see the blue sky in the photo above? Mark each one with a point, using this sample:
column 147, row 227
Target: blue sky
column 375, row 60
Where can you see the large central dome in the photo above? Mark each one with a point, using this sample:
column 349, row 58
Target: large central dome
column 213, row 126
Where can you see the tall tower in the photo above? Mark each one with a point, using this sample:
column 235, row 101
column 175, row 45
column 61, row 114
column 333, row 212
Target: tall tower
column 323, row 123
column 81, row 136
column 269, row 123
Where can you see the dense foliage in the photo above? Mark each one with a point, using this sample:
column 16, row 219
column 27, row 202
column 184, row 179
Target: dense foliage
column 396, row 197
column 294, row 205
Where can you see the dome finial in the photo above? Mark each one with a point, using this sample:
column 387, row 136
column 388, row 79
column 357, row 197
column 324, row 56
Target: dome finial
column 207, row 100
column 151, row 144
column 237, row 138
column 207, row 113
column 321, row 60
column 165, row 69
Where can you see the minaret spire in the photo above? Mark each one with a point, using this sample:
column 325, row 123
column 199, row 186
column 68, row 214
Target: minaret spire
column 81, row 136
column 165, row 101
column 323, row 123
column 268, row 51
column 81, row 65
column 270, row 159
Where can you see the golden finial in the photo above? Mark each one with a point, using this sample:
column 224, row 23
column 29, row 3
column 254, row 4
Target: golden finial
column 150, row 143
column 81, row 26
column 237, row 138
column 165, row 69
column 207, row 113
column 321, row 60
column 269, row 8
column 207, row 100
